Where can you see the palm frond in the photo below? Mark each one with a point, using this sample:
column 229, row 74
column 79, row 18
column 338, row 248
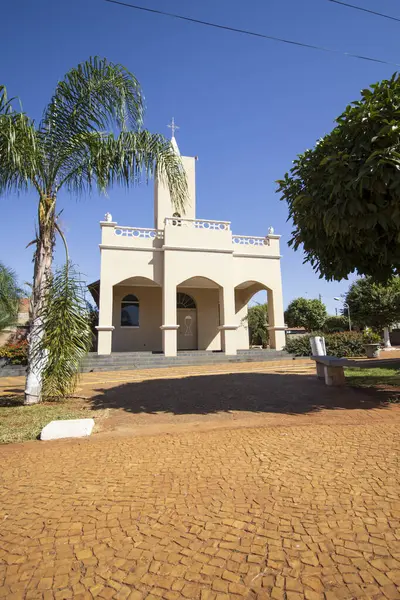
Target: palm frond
column 20, row 150
column 5, row 103
column 97, row 95
column 129, row 159
column 10, row 295
column 67, row 335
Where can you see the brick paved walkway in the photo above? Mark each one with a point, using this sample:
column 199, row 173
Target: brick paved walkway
column 282, row 512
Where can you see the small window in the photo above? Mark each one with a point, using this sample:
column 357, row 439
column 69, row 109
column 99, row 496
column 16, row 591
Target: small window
column 177, row 219
column 184, row 301
column 130, row 311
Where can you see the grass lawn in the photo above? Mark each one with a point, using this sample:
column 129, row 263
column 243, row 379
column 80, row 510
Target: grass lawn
column 20, row 423
column 373, row 377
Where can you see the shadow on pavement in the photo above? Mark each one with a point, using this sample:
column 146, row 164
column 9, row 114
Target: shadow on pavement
column 251, row 392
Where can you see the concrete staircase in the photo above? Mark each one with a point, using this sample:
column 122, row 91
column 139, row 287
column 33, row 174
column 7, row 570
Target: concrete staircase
column 126, row 361
column 120, row 361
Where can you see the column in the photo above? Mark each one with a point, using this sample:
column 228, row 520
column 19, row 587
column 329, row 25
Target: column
column 276, row 321
column 169, row 326
column 105, row 326
column 228, row 327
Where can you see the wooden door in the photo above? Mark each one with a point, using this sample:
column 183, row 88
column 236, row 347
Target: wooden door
column 187, row 332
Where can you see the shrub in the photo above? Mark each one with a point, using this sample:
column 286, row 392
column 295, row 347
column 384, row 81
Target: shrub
column 345, row 344
column 16, row 354
column 337, row 344
column 298, row 345
column 334, row 324
column 371, row 337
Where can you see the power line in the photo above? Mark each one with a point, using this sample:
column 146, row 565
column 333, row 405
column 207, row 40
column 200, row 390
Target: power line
column 372, row 12
column 252, row 33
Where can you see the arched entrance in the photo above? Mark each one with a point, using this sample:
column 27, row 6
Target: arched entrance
column 187, row 320
column 254, row 331
column 276, row 326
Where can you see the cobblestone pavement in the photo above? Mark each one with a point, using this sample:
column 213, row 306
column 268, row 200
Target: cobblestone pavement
column 282, row 512
column 217, row 396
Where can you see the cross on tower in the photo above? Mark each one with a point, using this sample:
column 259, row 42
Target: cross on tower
column 173, row 127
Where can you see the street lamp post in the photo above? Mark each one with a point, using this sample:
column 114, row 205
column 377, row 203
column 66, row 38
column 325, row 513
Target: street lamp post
column 345, row 305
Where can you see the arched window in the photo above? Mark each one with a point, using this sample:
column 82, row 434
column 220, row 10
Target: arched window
column 184, row 301
column 130, row 311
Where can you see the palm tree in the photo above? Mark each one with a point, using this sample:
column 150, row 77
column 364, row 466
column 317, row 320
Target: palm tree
column 90, row 136
column 10, row 296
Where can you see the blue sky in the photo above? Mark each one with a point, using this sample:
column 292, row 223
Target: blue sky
column 245, row 106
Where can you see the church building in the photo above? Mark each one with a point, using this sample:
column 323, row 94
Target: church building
column 185, row 284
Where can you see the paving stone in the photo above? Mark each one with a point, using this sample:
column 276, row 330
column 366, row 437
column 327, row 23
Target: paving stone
column 308, row 509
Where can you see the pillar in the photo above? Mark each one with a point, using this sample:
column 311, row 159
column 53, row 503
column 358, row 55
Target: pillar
column 227, row 326
column 276, row 321
column 105, row 326
column 169, row 327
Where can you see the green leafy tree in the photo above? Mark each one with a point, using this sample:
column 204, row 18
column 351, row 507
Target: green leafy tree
column 344, row 194
column 90, row 137
column 336, row 324
column 93, row 314
column 257, row 320
column 374, row 304
column 303, row 312
column 10, row 296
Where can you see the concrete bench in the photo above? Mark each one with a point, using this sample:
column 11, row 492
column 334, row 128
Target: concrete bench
column 331, row 368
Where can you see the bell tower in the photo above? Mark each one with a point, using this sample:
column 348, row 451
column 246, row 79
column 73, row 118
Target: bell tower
column 163, row 206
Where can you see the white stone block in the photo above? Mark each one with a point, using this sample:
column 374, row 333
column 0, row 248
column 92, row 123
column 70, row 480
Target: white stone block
column 71, row 428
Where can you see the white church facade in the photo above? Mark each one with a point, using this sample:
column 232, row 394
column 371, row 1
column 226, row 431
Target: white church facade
column 185, row 284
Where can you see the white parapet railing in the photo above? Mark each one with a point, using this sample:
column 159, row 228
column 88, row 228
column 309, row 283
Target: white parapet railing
column 207, row 224
column 139, row 232
column 250, row 240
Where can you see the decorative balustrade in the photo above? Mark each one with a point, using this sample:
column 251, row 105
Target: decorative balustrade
column 250, row 240
column 199, row 224
column 139, row 232
column 143, row 233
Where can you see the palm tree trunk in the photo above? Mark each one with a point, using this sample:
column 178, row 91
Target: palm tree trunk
column 42, row 271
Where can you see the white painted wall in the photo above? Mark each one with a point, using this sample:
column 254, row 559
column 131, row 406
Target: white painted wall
column 170, row 257
column 146, row 337
column 163, row 206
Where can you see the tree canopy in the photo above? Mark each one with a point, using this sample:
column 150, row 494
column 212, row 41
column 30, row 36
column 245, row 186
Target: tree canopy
column 257, row 319
column 336, row 323
column 90, row 135
column 344, row 194
column 303, row 312
column 373, row 304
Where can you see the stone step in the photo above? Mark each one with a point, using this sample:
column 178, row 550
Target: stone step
column 12, row 371
column 125, row 361
column 177, row 361
column 121, row 361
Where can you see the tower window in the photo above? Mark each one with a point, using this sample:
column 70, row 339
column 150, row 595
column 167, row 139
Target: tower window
column 178, row 217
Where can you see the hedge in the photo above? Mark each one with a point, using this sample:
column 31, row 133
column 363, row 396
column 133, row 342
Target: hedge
column 15, row 354
column 337, row 344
